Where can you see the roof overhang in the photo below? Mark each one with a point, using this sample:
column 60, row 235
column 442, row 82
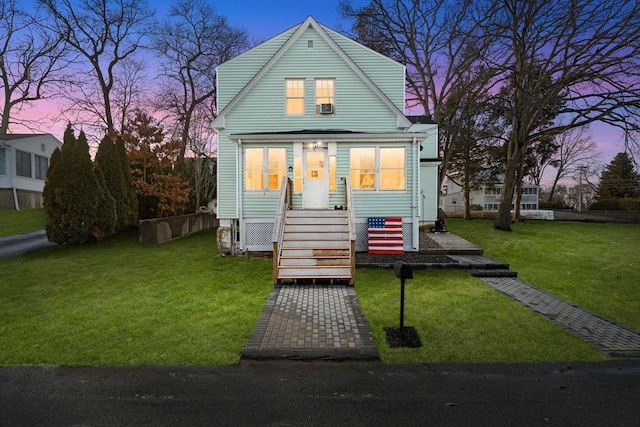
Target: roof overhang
column 328, row 137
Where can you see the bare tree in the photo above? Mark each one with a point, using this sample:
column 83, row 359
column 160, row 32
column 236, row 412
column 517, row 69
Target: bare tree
column 191, row 43
column 576, row 151
column 104, row 33
column 200, row 163
column 589, row 51
column 441, row 45
column 30, row 60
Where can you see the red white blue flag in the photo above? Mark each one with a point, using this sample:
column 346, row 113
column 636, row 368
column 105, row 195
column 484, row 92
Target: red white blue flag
column 385, row 236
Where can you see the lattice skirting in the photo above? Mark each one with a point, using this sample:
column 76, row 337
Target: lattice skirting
column 257, row 235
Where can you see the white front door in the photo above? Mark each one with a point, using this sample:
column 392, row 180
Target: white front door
column 315, row 181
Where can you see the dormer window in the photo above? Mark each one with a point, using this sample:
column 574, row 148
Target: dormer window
column 294, row 92
column 325, row 96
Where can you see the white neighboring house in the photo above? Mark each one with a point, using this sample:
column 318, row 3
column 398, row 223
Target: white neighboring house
column 24, row 159
column 487, row 197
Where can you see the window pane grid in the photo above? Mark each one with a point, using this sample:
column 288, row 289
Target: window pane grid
column 375, row 168
column 294, row 96
column 264, row 168
column 325, row 91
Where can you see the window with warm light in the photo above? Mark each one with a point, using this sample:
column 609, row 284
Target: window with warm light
column 378, row 168
column 392, row 168
column 264, row 168
column 325, row 94
column 294, row 90
column 363, row 168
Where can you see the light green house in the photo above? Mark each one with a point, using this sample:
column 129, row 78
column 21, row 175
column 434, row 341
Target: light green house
column 313, row 105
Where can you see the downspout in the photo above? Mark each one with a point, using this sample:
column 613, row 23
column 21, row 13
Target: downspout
column 416, row 188
column 11, row 170
column 239, row 193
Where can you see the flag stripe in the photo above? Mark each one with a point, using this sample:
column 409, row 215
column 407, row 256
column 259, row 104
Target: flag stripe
column 385, row 235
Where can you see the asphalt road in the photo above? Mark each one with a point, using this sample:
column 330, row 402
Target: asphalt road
column 324, row 394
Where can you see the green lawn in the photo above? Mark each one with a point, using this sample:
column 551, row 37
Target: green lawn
column 18, row 222
column 460, row 319
column 596, row 266
column 123, row 302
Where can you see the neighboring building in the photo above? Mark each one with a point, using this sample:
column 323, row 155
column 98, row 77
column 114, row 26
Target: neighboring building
column 315, row 106
column 486, row 197
column 24, row 159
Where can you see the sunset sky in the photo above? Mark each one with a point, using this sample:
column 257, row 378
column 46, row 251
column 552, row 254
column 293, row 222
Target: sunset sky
column 266, row 18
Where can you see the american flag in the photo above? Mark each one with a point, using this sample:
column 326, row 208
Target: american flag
column 385, row 236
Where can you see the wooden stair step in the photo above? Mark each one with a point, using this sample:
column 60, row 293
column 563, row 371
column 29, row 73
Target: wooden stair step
column 313, row 262
column 314, row 220
column 315, row 212
column 310, row 252
column 315, row 244
column 327, row 228
column 317, row 272
column 315, row 236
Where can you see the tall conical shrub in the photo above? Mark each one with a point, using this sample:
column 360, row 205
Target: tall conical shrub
column 108, row 162
column 79, row 208
column 132, row 197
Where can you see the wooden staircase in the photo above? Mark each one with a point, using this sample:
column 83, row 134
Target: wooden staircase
column 315, row 245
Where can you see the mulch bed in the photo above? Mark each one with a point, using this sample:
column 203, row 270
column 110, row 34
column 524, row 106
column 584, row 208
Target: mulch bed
column 406, row 337
column 425, row 256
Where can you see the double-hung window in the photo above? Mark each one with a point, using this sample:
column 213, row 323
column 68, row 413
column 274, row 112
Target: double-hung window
column 294, row 94
column 42, row 163
column 378, row 168
column 3, row 161
column 264, row 168
column 325, row 96
column 23, row 164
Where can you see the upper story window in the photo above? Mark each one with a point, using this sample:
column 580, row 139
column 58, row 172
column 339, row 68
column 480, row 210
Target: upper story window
column 378, row 168
column 294, row 92
column 23, row 164
column 325, row 96
column 264, row 168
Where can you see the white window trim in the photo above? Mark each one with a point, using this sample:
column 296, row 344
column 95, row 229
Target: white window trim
column 304, row 96
column 377, row 170
column 315, row 95
column 265, row 169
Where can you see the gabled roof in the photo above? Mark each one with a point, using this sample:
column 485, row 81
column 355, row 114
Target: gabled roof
column 219, row 121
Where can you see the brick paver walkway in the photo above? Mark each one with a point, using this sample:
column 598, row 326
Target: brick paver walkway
column 312, row 322
column 612, row 338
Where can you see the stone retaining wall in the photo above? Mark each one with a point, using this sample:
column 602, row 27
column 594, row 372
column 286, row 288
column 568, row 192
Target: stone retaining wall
column 159, row 230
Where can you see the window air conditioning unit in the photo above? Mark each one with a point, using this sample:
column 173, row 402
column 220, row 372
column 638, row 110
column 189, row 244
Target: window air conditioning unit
column 326, row 108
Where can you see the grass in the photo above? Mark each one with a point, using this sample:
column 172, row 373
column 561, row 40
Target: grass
column 123, row 302
column 596, row 266
column 18, row 222
column 460, row 319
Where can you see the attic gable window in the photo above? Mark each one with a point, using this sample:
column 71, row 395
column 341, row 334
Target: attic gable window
column 294, row 92
column 325, row 96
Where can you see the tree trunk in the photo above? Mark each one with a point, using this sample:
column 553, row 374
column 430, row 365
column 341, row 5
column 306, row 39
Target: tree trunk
column 553, row 186
column 518, row 192
column 467, row 185
column 467, row 204
column 503, row 220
